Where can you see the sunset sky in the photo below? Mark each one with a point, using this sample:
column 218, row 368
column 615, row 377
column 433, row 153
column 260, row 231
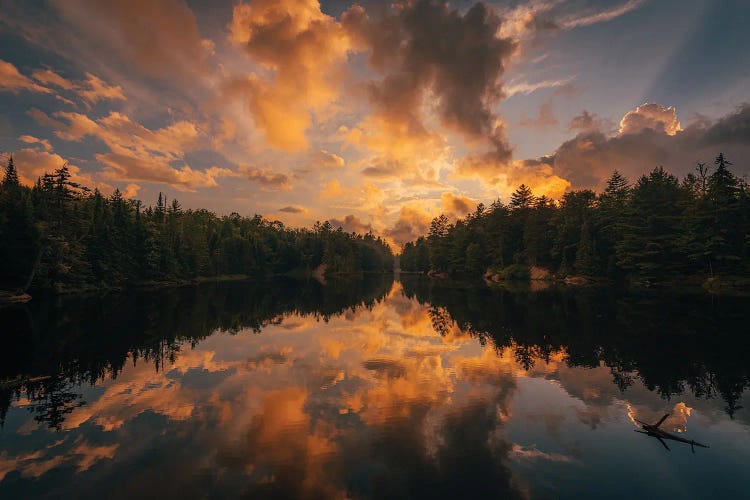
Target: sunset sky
column 375, row 115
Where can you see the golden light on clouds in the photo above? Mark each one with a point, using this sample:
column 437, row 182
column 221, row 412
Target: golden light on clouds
column 367, row 111
column 302, row 48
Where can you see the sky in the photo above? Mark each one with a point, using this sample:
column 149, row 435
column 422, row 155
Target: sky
column 374, row 115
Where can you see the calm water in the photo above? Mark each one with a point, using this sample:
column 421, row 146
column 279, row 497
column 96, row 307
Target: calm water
column 373, row 388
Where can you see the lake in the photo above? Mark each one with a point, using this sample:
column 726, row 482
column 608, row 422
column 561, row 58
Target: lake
column 374, row 388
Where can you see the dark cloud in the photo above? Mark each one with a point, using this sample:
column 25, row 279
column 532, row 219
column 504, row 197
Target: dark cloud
column 267, row 178
column 733, row 128
column 351, row 224
column 389, row 368
column 588, row 159
column 427, row 46
column 585, row 121
column 293, row 209
column 383, row 168
column 456, row 206
column 410, row 225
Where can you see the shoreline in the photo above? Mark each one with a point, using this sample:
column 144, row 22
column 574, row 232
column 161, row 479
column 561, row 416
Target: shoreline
column 9, row 298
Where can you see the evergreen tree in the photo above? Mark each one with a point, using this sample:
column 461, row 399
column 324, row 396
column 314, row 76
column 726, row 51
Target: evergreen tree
column 11, row 175
column 522, row 197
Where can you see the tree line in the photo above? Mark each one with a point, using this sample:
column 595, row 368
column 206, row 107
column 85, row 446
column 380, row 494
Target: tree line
column 59, row 235
column 657, row 229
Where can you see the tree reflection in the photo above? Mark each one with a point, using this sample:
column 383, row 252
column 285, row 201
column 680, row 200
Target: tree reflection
column 672, row 342
column 51, row 346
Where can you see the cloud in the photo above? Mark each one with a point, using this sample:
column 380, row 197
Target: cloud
column 383, row 168
column 456, row 206
column 526, row 88
column 526, row 21
column 586, row 19
column 423, row 50
column 301, row 49
column 396, row 153
column 585, row 122
column 403, row 47
column 11, row 80
column 531, row 453
column 30, row 139
column 649, row 137
column 49, row 77
column 294, row 209
column 650, row 116
column 505, row 177
column 352, row 224
column 131, row 190
column 137, row 153
column 413, row 221
column 42, row 118
column 267, row 178
column 33, row 163
column 160, row 38
column 332, row 190
column 322, row 161
column 129, row 167
column 94, row 89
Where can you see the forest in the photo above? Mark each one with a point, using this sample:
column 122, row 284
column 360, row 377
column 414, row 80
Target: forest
column 61, row 236
column 658, row 229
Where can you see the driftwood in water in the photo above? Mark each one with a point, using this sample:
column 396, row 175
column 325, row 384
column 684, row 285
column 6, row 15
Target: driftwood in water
column 653, row 430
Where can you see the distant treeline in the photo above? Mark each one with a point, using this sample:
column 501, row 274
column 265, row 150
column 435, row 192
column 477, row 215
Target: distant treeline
column 60, row 235
column 654, row 230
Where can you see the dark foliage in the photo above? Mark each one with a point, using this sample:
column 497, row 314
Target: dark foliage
column 48, row 352
column 701, row 342
column 59, row 235
column 655, row 230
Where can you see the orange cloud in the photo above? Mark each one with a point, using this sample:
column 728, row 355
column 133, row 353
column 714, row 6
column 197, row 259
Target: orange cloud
column 505, row 177
column 413, row 221
column 267, row 178
column 30, row 139
column 294, row 209
column 138, row 153
column 456, row 206
column 351, row 224
column 12, row 80
column 303, row 49
column 131, row 190
column 32, row 164
column 94, row 89
column 49, row 77
column 332, row 190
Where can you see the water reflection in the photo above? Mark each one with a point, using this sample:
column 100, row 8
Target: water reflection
column 367, row 388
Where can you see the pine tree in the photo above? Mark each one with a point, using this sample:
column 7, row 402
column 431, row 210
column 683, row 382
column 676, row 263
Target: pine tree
column 726, row 240
column 11, row 175
column 522, row 197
